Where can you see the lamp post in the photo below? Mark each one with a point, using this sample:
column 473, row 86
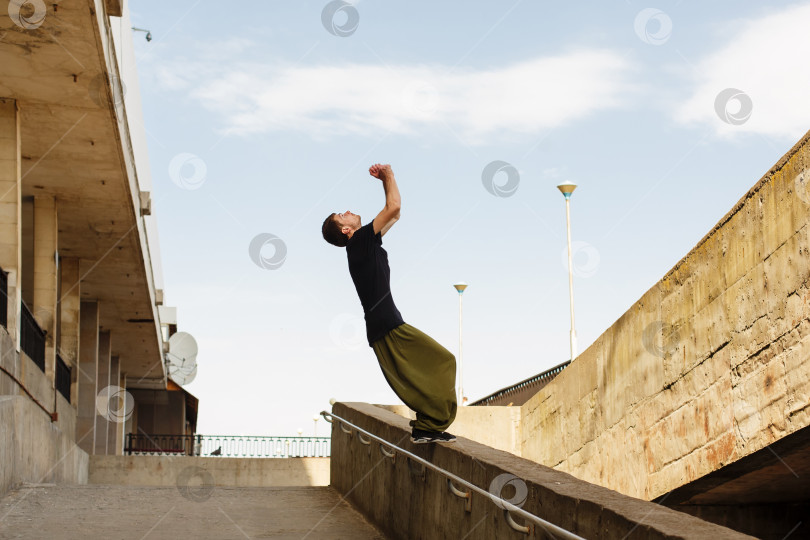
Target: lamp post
column 148, row 33
column 460, row 286
column 315, row 429
column 567, row 188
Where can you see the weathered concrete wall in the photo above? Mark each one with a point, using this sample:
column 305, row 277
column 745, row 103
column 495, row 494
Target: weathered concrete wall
column 495, row 426
column 34, row 450
column 405, row 502
column 26, row 371
column 10, row 361
column 235, row 472
column 710, row 365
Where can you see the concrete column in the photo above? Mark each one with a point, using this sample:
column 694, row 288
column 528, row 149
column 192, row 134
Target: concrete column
column 129, row 424
column 69, row 303
column 87, row 377
column 10, row 211
column 123, row 426
column 45, row 276
column 115, row 427
column 102, row 418
column 27, row 250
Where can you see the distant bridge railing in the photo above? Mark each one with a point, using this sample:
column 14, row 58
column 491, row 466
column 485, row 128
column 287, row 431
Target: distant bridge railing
column 241, row 446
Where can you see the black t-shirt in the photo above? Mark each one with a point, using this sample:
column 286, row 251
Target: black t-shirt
column 368, row 265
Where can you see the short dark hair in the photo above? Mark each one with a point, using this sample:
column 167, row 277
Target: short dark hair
column 332, row 232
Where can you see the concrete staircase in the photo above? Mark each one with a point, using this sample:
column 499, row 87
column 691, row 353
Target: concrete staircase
column 83, row 512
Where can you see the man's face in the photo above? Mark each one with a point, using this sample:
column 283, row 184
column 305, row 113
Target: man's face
column 347, row 219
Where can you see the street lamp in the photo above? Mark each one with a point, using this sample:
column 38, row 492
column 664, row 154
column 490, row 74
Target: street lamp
column 460, row 286
column 148, row 33
column 315, row 429
column 567, row 188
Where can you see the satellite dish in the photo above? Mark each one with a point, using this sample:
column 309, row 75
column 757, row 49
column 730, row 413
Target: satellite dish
column 181, row 360
column 183, row 376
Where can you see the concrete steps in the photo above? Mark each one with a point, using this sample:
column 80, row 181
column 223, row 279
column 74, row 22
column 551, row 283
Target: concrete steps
column 83, row 512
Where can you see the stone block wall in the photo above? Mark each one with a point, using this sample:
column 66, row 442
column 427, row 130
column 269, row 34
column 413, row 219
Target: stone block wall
column 709, row 365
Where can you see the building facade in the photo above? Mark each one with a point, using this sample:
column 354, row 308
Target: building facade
column 80, row 329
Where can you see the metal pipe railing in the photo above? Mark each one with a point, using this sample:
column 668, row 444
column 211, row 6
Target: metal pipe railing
column 508, row 508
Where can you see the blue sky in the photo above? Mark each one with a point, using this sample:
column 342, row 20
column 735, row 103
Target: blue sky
column 260, row 120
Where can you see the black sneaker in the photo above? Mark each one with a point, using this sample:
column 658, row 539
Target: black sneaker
column 420, row 436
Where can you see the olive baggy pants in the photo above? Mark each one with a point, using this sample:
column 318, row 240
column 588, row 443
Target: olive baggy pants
column 422, row 374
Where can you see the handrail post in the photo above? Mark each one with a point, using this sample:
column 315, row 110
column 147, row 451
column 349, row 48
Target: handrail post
column 463, row 494
column 525, row 529
column 386, row 453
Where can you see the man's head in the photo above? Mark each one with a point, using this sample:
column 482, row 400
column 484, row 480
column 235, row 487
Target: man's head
column 338, row 228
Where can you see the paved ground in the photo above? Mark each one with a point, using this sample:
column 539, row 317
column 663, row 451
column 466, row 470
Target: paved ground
column 88, row 512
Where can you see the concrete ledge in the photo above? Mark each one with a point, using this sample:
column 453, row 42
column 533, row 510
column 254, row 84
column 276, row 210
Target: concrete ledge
column 495, row 426
column 33, row 450
column 406, row 503
column 231, row 472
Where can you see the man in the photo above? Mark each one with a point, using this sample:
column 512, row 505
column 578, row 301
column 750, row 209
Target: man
column 421, row 372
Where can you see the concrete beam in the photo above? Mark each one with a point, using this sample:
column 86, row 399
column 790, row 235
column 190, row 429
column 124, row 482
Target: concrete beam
column 102, row 420
column 46, row 276
column 10, row 210
column 115, row 8
column 87, row 377
column 146, row 203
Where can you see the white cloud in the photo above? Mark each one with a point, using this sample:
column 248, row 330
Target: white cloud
column 765, row 59
column 325, row 101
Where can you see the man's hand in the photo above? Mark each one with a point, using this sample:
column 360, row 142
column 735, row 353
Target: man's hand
column 390, row 213
column 381, row 171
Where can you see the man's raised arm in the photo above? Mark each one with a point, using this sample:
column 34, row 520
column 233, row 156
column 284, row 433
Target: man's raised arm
column 390, row 212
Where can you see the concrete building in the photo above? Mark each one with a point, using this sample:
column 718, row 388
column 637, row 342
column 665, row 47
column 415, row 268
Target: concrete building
column 80, row 333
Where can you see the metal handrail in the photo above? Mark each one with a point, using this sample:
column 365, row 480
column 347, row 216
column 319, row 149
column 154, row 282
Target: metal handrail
column 498, row 501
